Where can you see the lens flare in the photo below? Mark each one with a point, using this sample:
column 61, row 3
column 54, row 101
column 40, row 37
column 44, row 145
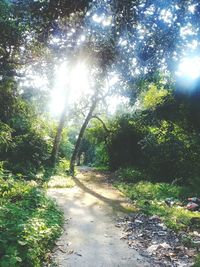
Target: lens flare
column 189, row 68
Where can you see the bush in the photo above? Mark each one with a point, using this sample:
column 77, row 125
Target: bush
column 123, row 146
column 25, row 141
column 29, row 224
column 149, row 199
column 130, row 175
column 62, row 166
column 28, row 154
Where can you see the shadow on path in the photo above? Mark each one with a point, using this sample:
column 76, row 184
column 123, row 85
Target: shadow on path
column 120, row 204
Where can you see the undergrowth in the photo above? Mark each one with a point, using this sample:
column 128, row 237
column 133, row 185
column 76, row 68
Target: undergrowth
column 59, row 178
column 60, row 181
column 150, row 197
column 29, row 224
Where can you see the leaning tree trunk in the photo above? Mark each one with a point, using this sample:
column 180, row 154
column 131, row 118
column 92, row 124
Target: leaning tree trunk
column 56, row 144
column 80, row 136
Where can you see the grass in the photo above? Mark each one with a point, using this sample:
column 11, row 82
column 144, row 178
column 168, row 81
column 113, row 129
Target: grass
column 197, row 261
column 60, row 181
column 29, row 224
column 149, row 198
column 100, row 168
column 59, row 177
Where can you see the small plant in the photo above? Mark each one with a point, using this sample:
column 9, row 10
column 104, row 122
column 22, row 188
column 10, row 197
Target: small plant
column 150, row 199
column 29, row 224
column 130, row 175
column 62, row 166
column 59, row 181
column 197, row 261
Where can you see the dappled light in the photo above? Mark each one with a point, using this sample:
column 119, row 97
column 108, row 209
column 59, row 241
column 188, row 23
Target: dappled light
column 98, row 97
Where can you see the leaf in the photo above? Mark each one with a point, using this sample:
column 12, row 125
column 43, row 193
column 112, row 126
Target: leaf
column 22, row 243
column 18, row 259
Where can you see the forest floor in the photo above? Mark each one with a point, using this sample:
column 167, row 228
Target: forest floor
column 92, row 209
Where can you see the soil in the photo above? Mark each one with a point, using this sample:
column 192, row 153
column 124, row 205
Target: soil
column 91, row 235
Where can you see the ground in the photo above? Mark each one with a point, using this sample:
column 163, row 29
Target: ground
column 91, row 236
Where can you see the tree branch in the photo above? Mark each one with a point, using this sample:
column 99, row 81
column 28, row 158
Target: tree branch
column 102, row 122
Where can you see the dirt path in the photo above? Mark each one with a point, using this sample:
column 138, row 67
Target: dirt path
column 90, row 236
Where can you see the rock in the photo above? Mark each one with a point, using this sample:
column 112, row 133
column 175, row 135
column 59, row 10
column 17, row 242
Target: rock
column 155, row 218
column 162, row 226
column 165, row 245
column 138, row 221
column 161, row 233
column 192, row 206
column 152, row 239
column 152, row 248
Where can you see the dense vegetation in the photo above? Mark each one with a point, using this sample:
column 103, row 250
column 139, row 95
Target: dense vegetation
column 161, row 140
column 126, row 49
column 29, row 223
column 149, row 198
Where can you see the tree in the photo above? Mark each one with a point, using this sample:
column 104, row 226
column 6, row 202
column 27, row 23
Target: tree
column 81, row 133
column 57, row 140
column 134, row 39
column 100, row 92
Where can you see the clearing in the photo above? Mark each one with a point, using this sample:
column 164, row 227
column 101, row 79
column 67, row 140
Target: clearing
column 91, row 238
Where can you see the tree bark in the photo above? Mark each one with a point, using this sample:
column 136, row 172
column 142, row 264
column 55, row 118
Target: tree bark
column 80, row 136
column 56, row 144
column 102, row 122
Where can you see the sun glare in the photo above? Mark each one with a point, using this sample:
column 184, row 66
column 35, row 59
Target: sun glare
column 70, row 84
column 115, row 102
column 189, row 68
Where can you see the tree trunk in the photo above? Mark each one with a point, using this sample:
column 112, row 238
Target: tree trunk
column 56, row 144
column 80, row 136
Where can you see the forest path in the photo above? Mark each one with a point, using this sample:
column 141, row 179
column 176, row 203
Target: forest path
column 90, row 237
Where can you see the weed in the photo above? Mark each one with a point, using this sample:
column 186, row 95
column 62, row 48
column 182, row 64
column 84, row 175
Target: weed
column 149, row 198
column 59, row 181
column 29, row 224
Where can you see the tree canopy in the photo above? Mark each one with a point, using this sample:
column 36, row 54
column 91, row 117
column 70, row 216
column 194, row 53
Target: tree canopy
column 104, row 83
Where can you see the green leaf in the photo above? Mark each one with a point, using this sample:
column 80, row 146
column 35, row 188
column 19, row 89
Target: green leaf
column 18, row 259
column 22, row 243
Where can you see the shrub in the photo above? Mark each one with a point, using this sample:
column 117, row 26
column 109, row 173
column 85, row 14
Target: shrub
column 149, row 199
column 29, row 224
column 130, row 175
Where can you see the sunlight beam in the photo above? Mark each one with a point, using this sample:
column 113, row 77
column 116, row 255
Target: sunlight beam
column 189, row 68
column 70, row 85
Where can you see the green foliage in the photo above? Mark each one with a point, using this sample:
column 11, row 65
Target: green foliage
column 25, row 141
column 93, row 150
column 67, row 143
column 100, row 155
column 197, row 261
column 62, row 166
column 29, row 153
column 163, row 141
column 123, row 145
column 60, row 181
column 149, row 191
column 5, row 137
column 29, row 224
column 154, row 96
column 171, row 152
column 130, row 175
column 149, row 198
